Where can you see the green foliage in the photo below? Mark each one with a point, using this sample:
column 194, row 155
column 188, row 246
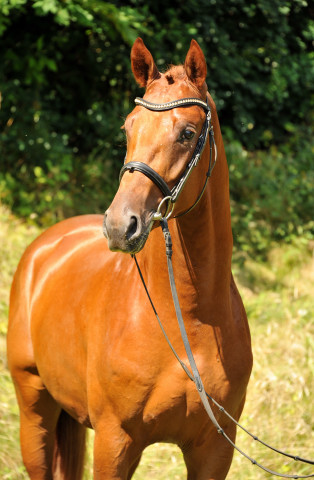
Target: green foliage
column 66, row 86
column 62, row 64
column 270, row 190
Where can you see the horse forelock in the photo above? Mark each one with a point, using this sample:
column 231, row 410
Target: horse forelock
column 177, row 73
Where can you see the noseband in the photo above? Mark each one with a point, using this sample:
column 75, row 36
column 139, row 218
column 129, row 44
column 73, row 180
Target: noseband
column 171, row 196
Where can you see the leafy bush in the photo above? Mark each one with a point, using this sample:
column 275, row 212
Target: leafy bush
column 271, row 197
column 62, row 104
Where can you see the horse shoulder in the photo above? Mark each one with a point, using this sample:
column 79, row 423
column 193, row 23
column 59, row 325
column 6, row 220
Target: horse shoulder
column 31, row 303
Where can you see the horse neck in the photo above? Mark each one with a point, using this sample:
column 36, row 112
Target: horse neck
column 202, row 239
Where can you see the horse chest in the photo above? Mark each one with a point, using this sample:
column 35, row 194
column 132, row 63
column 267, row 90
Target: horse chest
column 149, row 392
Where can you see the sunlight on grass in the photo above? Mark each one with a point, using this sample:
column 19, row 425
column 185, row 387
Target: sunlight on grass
column 161, row 462
column 278, row 296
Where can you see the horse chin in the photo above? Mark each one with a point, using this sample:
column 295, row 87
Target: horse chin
column 135, row 246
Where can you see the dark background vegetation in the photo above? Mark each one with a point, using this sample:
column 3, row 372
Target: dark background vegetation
column 66, row 86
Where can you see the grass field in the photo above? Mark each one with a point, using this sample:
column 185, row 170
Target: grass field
column 278, row 296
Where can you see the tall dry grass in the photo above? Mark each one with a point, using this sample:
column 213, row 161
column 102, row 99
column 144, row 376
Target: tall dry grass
column 279, row 300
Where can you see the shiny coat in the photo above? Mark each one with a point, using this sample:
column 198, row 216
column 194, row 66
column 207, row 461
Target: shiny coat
column 84, row 347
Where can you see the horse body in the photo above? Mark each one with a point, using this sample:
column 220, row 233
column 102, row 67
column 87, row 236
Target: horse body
column 83, row 338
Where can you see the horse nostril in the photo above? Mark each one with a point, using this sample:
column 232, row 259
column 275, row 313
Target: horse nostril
column 132, row 228
column 104, row 226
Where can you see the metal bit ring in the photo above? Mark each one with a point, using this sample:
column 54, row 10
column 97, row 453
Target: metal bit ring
column 158, row 215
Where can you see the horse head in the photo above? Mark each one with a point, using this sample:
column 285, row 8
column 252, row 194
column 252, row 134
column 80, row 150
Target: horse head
column 162, row 140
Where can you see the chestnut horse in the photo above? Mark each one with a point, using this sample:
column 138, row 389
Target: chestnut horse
column 84, row 346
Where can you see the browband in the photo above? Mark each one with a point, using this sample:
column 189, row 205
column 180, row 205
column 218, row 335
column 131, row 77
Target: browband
column 181, row 102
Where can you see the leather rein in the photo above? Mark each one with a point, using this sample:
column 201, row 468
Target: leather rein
column 170, row 196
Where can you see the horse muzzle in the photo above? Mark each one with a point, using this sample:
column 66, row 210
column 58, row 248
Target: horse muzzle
column 128, row 233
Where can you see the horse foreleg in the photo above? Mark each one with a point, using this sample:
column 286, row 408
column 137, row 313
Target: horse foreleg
column 134, row 467
column 210, row 459
column 115, row 454
column 38, row 418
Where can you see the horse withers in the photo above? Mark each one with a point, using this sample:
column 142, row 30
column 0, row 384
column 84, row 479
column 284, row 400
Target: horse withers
column 84, row 347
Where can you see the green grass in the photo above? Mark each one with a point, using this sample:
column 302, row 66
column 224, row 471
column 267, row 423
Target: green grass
column 278, row 295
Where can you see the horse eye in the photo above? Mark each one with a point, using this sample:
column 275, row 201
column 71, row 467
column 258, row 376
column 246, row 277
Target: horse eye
column 187, row 134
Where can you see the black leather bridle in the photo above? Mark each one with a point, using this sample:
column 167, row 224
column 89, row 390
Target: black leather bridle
column 171, row 196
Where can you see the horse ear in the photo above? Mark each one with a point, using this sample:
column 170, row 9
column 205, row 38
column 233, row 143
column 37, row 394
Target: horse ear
column 143, row 65
column 195, row 64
